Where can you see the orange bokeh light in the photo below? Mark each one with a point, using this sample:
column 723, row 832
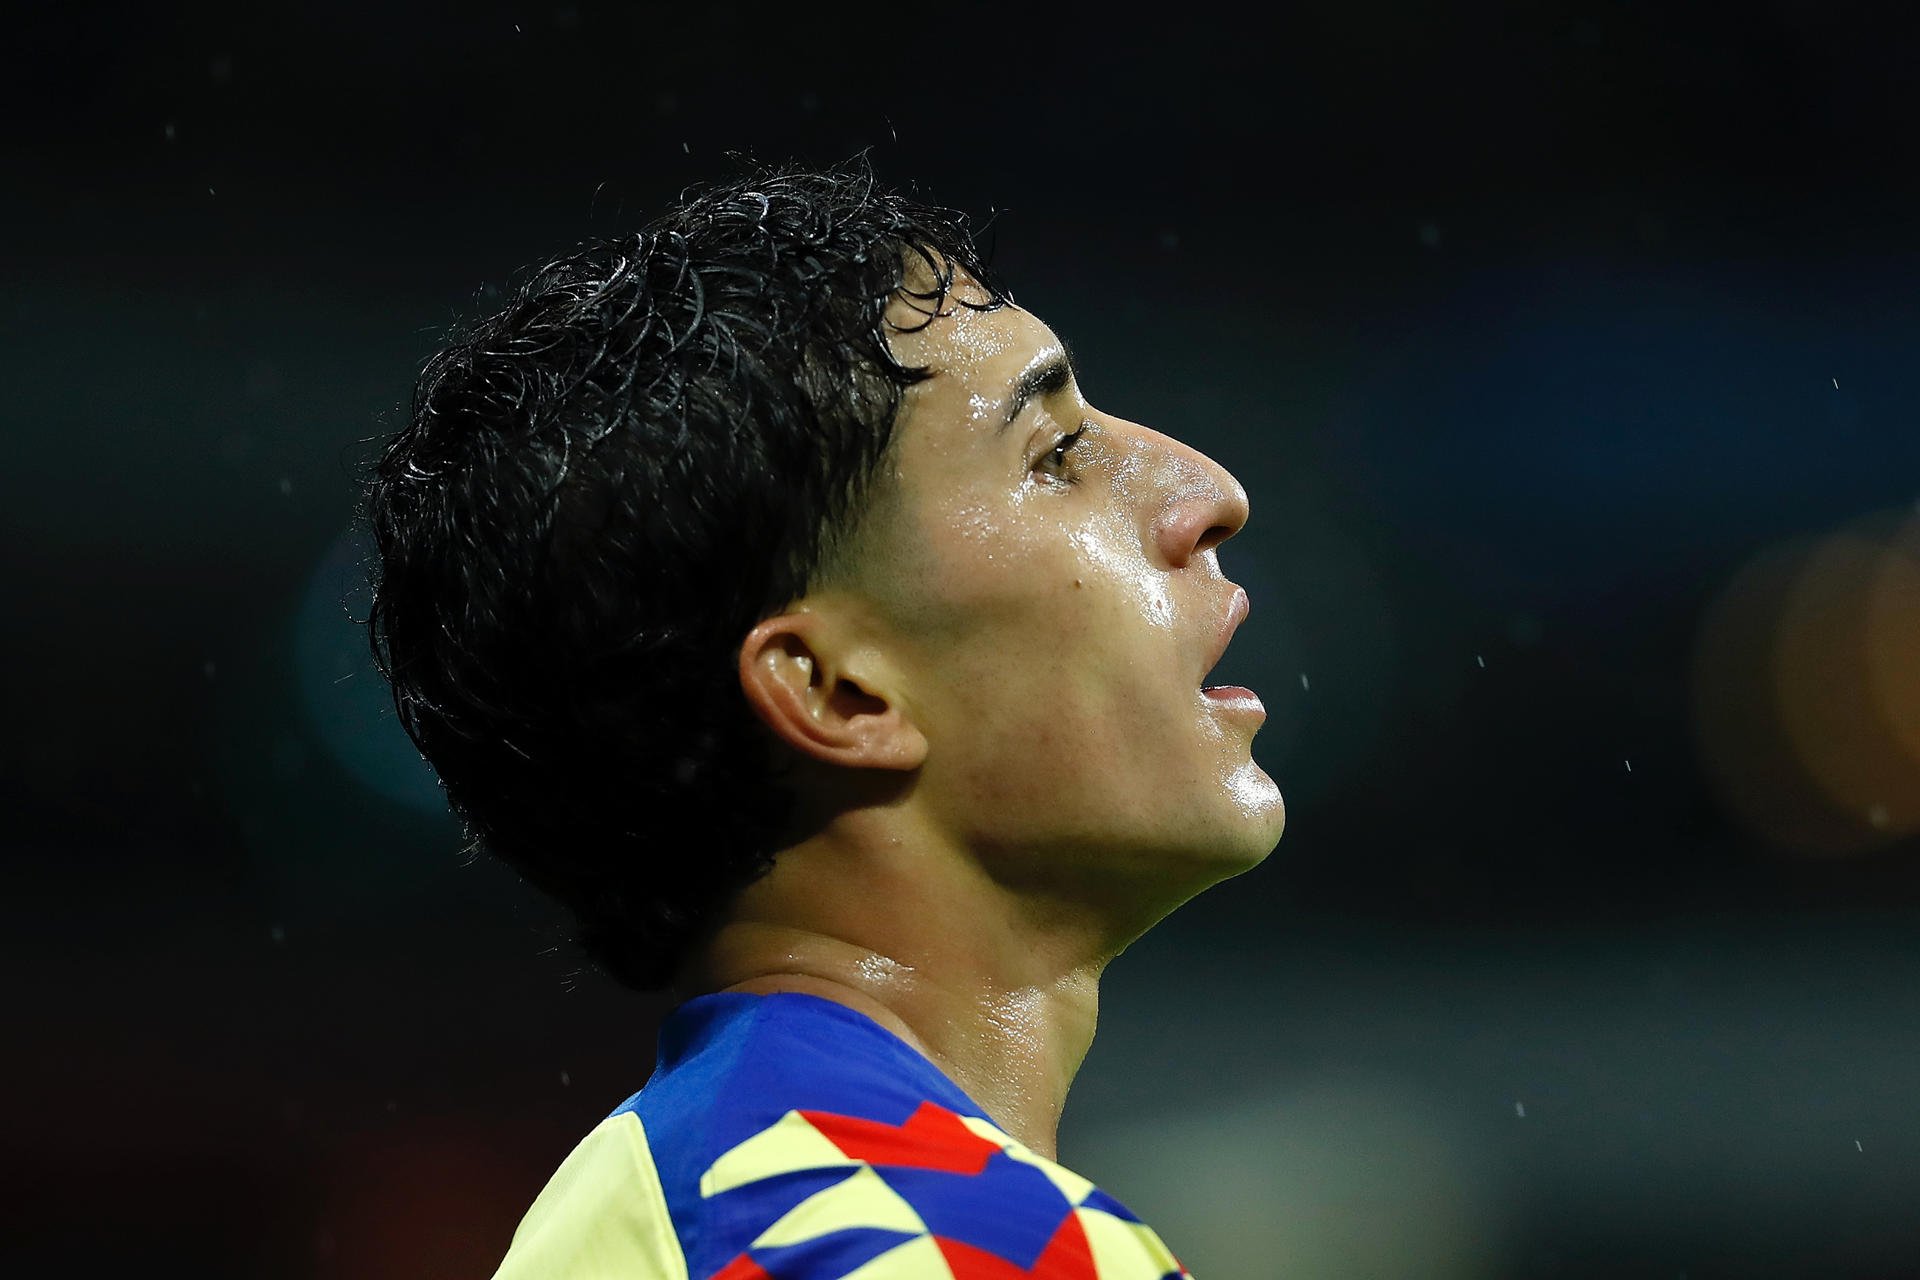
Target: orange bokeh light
column 1806, row 689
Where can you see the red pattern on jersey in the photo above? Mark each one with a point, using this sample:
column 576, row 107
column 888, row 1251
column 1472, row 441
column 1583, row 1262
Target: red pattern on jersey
column 1066, row 1257
column 932, row 1138
column 742, row 1268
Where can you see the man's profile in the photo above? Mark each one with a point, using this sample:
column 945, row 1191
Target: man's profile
column 762, row 586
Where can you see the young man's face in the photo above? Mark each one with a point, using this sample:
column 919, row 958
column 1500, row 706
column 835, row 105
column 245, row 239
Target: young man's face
column 1049, row 620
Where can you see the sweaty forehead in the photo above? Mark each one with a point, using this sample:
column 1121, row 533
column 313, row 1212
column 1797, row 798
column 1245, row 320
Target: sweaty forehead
column 974, row 357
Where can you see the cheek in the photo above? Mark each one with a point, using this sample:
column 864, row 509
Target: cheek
column 1059, row 704
column 973, row 571
column 1037, row 633
column 1101, row 758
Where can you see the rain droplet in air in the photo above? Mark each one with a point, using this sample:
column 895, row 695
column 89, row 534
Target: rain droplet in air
column 1481, row 660
column 1520, row 1110
column 565, row 1079
column 1303, row 679
column 1629, row 765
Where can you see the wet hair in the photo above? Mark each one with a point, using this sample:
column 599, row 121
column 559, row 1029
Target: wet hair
column 661, row 439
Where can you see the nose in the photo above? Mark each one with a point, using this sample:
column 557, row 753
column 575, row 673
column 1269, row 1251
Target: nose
column 1201, row 504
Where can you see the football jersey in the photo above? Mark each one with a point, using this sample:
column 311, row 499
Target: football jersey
column 788, row 1137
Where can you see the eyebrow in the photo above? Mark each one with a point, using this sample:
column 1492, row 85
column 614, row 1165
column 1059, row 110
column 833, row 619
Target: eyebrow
column 1043, row 377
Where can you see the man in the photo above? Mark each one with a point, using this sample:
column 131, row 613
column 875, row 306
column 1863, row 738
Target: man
column 763, row 586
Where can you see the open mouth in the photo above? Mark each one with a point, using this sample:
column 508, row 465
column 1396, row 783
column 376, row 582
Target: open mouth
column 1237, row 697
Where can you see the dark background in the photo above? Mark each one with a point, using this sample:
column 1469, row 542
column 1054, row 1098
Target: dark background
column 1529, row 328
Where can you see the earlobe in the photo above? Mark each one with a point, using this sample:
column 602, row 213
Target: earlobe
column 806, row 698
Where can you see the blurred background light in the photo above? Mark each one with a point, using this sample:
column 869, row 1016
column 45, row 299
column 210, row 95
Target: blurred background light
column 1342, row 1178
column 348, row 704
column 1805, row 697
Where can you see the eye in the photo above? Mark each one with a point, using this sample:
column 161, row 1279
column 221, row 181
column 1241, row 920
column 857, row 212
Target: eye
column 1061, row 448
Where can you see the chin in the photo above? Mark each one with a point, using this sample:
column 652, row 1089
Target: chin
column 1257, row 797
column 1264, row 822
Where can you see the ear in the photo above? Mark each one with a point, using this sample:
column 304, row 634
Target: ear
column 823, row 700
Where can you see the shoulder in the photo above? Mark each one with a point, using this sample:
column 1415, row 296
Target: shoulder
column 784, row 1137
column 602, row 1213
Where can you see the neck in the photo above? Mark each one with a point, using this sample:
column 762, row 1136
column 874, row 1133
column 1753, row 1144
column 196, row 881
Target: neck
column 1003, row 1005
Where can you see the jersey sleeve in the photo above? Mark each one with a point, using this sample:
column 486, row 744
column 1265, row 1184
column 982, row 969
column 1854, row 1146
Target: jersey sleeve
column 602, row 1216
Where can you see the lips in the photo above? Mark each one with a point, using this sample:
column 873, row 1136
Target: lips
column 1237, row 610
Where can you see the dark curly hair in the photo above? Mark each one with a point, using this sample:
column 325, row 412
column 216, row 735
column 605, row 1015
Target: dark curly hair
column 660, row 440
